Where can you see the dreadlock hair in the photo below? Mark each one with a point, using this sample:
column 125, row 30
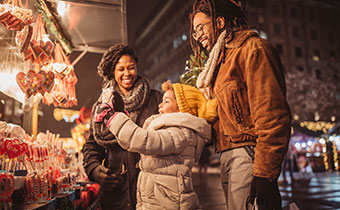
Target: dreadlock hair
column 231, row 10
column 109, row 60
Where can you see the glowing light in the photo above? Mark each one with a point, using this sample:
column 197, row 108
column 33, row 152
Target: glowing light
column 333, row 118
column 316, row 116
column 316, row 58
column 303, row 145
column 337, row 139
column 309, row 143
column 45, row 38
column 318, row 126
column 298, row 146
column 263, row 35
column 184, row 37
column 61, row 8
column 322, row 141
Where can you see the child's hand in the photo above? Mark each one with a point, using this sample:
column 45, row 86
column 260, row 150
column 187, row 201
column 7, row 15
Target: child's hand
column 104, row 112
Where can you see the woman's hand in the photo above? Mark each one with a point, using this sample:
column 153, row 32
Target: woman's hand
column 104, row 178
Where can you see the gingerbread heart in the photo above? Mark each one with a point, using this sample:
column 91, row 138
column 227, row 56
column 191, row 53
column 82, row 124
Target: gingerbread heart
column 30, row 53
column 23, row 38
column 60, row 68
column 21, row 81
column 34, row 81
column 49, row 80
column 60, row 97
column 50, row 46
column 4, row 17
column 47, row 46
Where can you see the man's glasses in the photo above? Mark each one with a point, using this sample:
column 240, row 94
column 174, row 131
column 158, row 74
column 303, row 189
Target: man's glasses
column 199, row 30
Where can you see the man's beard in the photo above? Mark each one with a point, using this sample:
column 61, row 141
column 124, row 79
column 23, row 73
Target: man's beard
column 211, row 42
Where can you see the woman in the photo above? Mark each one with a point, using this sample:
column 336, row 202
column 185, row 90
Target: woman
column 129, row 93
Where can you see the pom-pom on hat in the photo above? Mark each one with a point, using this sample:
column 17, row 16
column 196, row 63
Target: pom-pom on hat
column 192, row 100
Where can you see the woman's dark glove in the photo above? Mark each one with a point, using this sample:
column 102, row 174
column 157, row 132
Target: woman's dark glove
column 266, row 192
column 105, row 178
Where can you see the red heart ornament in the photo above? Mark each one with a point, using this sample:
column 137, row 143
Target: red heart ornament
column 23, row 147
column 12, row 147
column 2, row 147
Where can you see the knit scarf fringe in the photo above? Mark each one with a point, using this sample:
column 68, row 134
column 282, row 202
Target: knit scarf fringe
column 204, row 78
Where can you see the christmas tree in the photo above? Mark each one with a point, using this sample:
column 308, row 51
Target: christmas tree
column 193, row 67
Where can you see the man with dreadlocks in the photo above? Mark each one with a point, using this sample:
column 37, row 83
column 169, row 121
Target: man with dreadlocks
column 245, row 74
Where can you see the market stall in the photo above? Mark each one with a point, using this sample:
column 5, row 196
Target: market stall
column 315, row 143
column 37, row 39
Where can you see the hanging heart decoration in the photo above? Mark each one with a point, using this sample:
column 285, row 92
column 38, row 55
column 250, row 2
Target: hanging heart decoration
column 2, row 148
column 62, row 69
column 6, row 188
column 63, row 93
column 13, row 16
column 35, row 81
column 59, row 97
column 21, row 81
column 35, row 44
column 23, row 38
column 49, row 80
column 32, row 83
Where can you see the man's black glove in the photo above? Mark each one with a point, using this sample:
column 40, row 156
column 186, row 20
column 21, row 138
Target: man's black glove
column 266, row 192
column 104, row 178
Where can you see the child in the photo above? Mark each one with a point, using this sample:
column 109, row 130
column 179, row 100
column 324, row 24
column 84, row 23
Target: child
column 169, row 143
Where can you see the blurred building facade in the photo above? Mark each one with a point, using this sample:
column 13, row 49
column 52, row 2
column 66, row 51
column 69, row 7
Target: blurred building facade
column 305, row 33
column 162, row 43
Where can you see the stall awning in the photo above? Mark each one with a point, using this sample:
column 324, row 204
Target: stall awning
column 93, row 25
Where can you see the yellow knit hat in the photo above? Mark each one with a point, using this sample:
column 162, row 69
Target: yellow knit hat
column 192, row 100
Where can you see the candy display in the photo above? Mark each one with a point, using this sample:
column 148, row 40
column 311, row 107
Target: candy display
column 44, row 160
